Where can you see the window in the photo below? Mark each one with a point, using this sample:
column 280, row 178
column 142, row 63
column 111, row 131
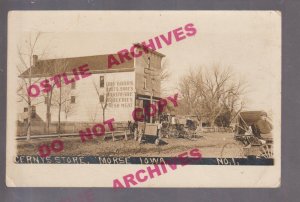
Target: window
column 149, row 63
column 73, row 85
column 72, row 99
column 25, row 109
column 33, row 112
column 101, row 98
column 101, row 81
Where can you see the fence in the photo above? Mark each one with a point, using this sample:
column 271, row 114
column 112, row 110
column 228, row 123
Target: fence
column 65, row 127
column 216, row 129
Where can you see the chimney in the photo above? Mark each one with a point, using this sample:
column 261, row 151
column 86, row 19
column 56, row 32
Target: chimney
column 35, row 59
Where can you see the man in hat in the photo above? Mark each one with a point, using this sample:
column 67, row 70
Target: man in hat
column 264, row 126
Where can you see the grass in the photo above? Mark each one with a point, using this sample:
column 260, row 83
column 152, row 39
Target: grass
column 210, row 146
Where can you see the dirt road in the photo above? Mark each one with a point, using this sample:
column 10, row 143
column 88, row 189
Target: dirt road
column 210, row 145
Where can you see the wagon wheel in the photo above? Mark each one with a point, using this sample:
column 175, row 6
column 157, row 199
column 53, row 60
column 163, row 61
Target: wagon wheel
column 191, row 134
column 157, row 141
column 232, row 150
column 171, row 131
column 266, row 151
column 174, row 133
column 166, row 134
column 185, row 134
column 180, row 134
column 140, row 139
column 165, row 131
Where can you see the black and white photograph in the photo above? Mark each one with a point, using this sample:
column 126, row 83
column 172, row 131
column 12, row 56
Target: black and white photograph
column 116, row 91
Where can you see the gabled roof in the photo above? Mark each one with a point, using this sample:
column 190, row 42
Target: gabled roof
column 96, row 64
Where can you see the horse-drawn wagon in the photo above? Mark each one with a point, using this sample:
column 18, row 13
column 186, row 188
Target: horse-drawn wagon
column 253, row 132
column 179, row 127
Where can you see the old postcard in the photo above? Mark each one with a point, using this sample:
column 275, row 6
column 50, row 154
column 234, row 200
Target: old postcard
column 128, row 99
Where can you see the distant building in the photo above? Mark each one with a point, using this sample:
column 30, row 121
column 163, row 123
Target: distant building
column 126, row 86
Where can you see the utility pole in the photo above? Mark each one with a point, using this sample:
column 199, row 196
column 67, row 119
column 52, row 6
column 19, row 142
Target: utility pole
column 151, row 96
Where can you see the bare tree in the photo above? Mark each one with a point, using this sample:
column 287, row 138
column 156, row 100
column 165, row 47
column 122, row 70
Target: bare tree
column 69, row 108
column 233, row 102
column 93, row 113
column 208, row 92
column 62, row 94
column 28, row 57
column 190, row 87
column 164, row 75
column 51, row 68
column 104, row 96
column 62, row 100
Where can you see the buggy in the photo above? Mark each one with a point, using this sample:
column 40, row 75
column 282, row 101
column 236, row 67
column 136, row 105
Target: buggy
column 247, row 133
column 182, row 127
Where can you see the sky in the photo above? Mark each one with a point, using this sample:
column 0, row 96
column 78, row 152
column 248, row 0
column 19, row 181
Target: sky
column 247, row 41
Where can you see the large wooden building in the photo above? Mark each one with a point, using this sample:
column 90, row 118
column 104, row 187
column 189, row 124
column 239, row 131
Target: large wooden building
column 123, row 87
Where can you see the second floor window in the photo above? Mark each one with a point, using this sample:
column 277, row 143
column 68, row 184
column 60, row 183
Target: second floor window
column 33, row 112
column 72, row 99
column 101, row 81
column 101, row 98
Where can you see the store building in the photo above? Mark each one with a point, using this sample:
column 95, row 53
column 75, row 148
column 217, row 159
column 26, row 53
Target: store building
column 122, row 88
